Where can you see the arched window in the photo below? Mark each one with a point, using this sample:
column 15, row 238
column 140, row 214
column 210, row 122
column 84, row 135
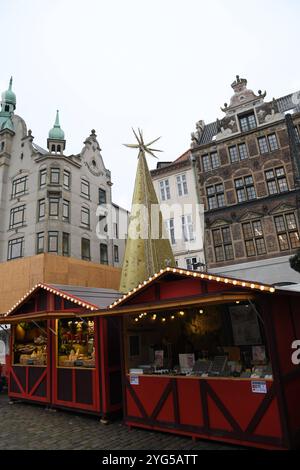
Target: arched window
column 58, row 148
column 6, row 109
column 52, row 148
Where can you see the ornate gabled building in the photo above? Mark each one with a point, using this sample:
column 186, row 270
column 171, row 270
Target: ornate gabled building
column 48, row 199
column 248, row 166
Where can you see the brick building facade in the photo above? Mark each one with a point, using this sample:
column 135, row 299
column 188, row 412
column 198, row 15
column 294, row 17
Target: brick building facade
column 248, row 179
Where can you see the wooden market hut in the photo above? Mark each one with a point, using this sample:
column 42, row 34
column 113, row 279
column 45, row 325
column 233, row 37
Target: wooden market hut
column 211, row 357
column 60, row 359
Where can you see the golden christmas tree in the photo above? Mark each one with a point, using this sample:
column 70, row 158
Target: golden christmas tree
column 147, row 249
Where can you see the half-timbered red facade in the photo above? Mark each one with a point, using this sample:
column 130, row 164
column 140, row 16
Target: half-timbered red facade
column 60, row 359
column 254, row 405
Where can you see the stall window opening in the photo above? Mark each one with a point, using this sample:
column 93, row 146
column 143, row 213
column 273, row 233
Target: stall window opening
column 30, row 344
column 223, row 340
column 76, row 343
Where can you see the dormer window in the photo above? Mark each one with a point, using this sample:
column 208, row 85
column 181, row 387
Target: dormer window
column 247, row 122
column 6, row 109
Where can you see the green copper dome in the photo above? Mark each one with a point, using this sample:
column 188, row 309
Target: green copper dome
column 9, row 96
column 56, row 133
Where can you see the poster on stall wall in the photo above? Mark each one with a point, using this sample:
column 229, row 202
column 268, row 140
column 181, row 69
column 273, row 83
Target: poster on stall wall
column 159, row 358
column 259, row 355
column 245, row 325
column 186, row 362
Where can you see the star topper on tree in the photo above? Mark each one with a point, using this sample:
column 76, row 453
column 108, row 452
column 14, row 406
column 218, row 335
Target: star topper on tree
column 145, row 148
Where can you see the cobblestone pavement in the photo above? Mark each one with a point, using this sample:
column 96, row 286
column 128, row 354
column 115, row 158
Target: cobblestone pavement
column 26, row 426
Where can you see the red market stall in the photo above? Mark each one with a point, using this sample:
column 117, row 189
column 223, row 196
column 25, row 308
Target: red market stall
column 60, row 358
column 210, row 357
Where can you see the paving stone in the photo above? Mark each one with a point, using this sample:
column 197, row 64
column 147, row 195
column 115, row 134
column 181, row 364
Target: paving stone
column 26, row 426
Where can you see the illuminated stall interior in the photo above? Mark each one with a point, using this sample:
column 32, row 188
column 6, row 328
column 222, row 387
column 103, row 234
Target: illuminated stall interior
column 76, row 343
column 30, row 344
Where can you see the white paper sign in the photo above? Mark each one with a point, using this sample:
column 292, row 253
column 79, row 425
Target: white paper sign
column 134, row 380
column 258, row 386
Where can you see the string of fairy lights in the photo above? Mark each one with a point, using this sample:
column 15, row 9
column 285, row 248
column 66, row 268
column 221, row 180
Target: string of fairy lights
column 162, row 318
column 53, row 291
column 208, row 277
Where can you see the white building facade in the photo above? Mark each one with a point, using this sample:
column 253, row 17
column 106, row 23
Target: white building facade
column 176, row 189
column 49, row 200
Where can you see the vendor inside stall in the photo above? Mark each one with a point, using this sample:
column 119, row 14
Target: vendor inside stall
column 225, row 340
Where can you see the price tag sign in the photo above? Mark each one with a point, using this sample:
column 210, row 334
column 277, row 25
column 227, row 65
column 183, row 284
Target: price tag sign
column 134, row 380
column 258, row 386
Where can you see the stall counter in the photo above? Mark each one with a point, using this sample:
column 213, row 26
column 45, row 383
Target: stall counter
column 242, row 410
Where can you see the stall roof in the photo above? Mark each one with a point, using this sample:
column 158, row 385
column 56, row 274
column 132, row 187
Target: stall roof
column 91, row 298
column 248, row 285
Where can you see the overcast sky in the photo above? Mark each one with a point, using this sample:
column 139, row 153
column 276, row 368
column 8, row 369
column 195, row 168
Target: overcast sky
column 156, row 64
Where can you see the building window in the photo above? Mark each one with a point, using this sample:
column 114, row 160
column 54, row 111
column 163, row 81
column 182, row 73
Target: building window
column 67, row 179
column 66, row 210
column 267, row 144
column 40, row 242
column 276, row 181
column 54, row 175
column 210, row 161
column 215, row 196
column 85, row 216
column 223, row 244
column 86, row 249
column 102, row 196
column 287, row 231
column 116, row 253
column 247, row 122
column 15, row 248
column 43, row 177
column 41, row 209
column 206, row 163
column 103, row 253
column 66, row 244
column 234, row 155
column 243, row 151
column 53, row 242
column 171, row 230
column 297, row 134
column 19, row 186
column 263, row 145
column 85, row 188
column 17, row 217
column 187, row 228
column 191, row 263
column 254, row 238
column 245, row 189
column 238, row 152
column 116, row 230
column 53, row 206
column 164, row 190
column 181, row 185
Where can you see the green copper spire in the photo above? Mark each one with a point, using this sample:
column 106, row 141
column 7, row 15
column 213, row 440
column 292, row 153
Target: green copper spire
column 56, row 133
column 8, row 96
column 146, row 255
